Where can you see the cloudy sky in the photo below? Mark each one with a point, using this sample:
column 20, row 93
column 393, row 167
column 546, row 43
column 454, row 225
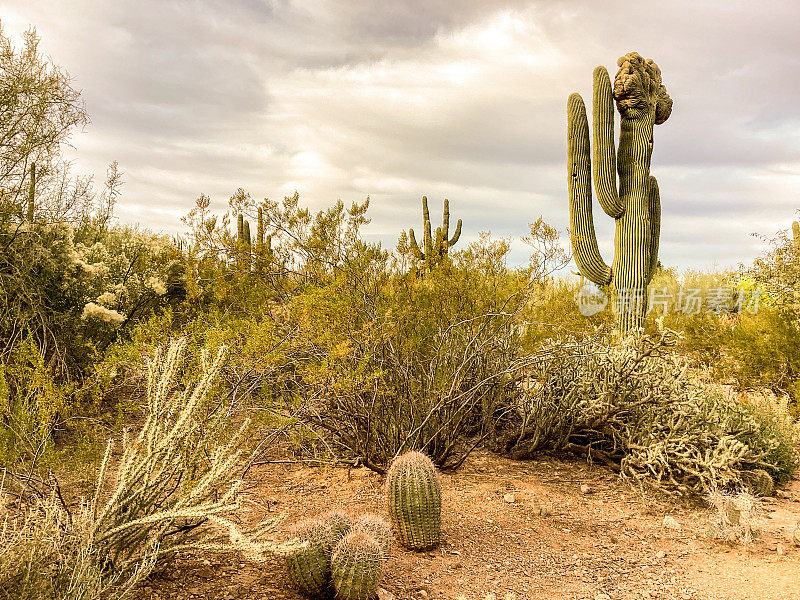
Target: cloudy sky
column 448, row 98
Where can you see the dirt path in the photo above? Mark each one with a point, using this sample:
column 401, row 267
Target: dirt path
column 605, row 544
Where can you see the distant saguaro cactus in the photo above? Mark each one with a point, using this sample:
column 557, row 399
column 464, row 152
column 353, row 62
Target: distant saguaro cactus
column 243, row 242
column 32, row 193
column 434, row 248
column 642, row 102
column 796, row 234
column 415, row 500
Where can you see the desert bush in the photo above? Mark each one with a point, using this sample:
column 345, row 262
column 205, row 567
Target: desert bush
column 633, row 404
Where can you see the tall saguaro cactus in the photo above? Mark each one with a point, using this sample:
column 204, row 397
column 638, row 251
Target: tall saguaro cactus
column 642, row 102
column 434, row 248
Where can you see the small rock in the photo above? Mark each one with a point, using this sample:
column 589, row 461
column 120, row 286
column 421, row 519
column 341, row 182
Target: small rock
column 423, row 594
column 509, row 498
column 671, row 523
column 585, row 489
column 384, row 594
column 660, row 554
column 783, row 494
column 602, row 597
column 780, row 550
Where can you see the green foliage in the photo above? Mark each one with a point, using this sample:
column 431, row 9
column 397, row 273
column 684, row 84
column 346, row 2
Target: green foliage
column 415, row 500
column 356, row 567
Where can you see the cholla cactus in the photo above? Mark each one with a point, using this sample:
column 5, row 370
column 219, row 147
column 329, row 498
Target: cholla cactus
column 146, row 513
column 377, row 527
column 435, row 249
column 356, row 567
column 415, row 500
column 309, row 566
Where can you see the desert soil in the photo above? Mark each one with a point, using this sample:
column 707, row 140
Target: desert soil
column 607, row 542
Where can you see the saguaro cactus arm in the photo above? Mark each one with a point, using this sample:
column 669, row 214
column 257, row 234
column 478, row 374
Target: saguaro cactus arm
column 796, row 234
column 581, row 222
column 655, row 225
column 414, row 246
column 605, row 161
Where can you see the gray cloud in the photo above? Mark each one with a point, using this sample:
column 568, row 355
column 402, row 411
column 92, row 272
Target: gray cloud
column 464, row 100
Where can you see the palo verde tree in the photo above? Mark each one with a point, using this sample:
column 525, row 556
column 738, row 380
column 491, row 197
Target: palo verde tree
column 642, row 101
column 39, row 109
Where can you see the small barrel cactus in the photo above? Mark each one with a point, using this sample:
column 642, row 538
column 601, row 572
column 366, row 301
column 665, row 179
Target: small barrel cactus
column 377, row 527
column 309, row 567
column 415, row 500
column 339, row 522
column 357, row 566
column 759, row 481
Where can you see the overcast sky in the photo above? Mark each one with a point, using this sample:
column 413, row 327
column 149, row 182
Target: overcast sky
column 457, row 99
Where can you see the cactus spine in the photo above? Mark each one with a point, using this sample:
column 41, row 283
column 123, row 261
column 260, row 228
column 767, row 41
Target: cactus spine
column 356, row 567
column 415, row 500
column 31, row 193
column 309, row 567
column 434, row 249
column 339, row 522
column 642, row 102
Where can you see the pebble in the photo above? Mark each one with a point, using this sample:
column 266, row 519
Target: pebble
column 660, row 554
column 509, row 498
column 385, row 594
column 585, row 489
column 671, row 523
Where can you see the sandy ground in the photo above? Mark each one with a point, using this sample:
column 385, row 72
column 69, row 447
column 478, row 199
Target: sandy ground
column 609, row 543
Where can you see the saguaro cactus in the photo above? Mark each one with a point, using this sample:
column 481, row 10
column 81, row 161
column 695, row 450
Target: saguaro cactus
column 796, row 234
column 435, row 248
column 32, row 193
column 415, row 500
column 642, row 102
column 243, row 242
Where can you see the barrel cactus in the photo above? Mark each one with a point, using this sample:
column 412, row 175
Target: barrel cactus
column 415, row 500
column 309, row 566
column 339, row 522
column 642, row 102
column 357, row 566
column 759, row 481
column 377, row 527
